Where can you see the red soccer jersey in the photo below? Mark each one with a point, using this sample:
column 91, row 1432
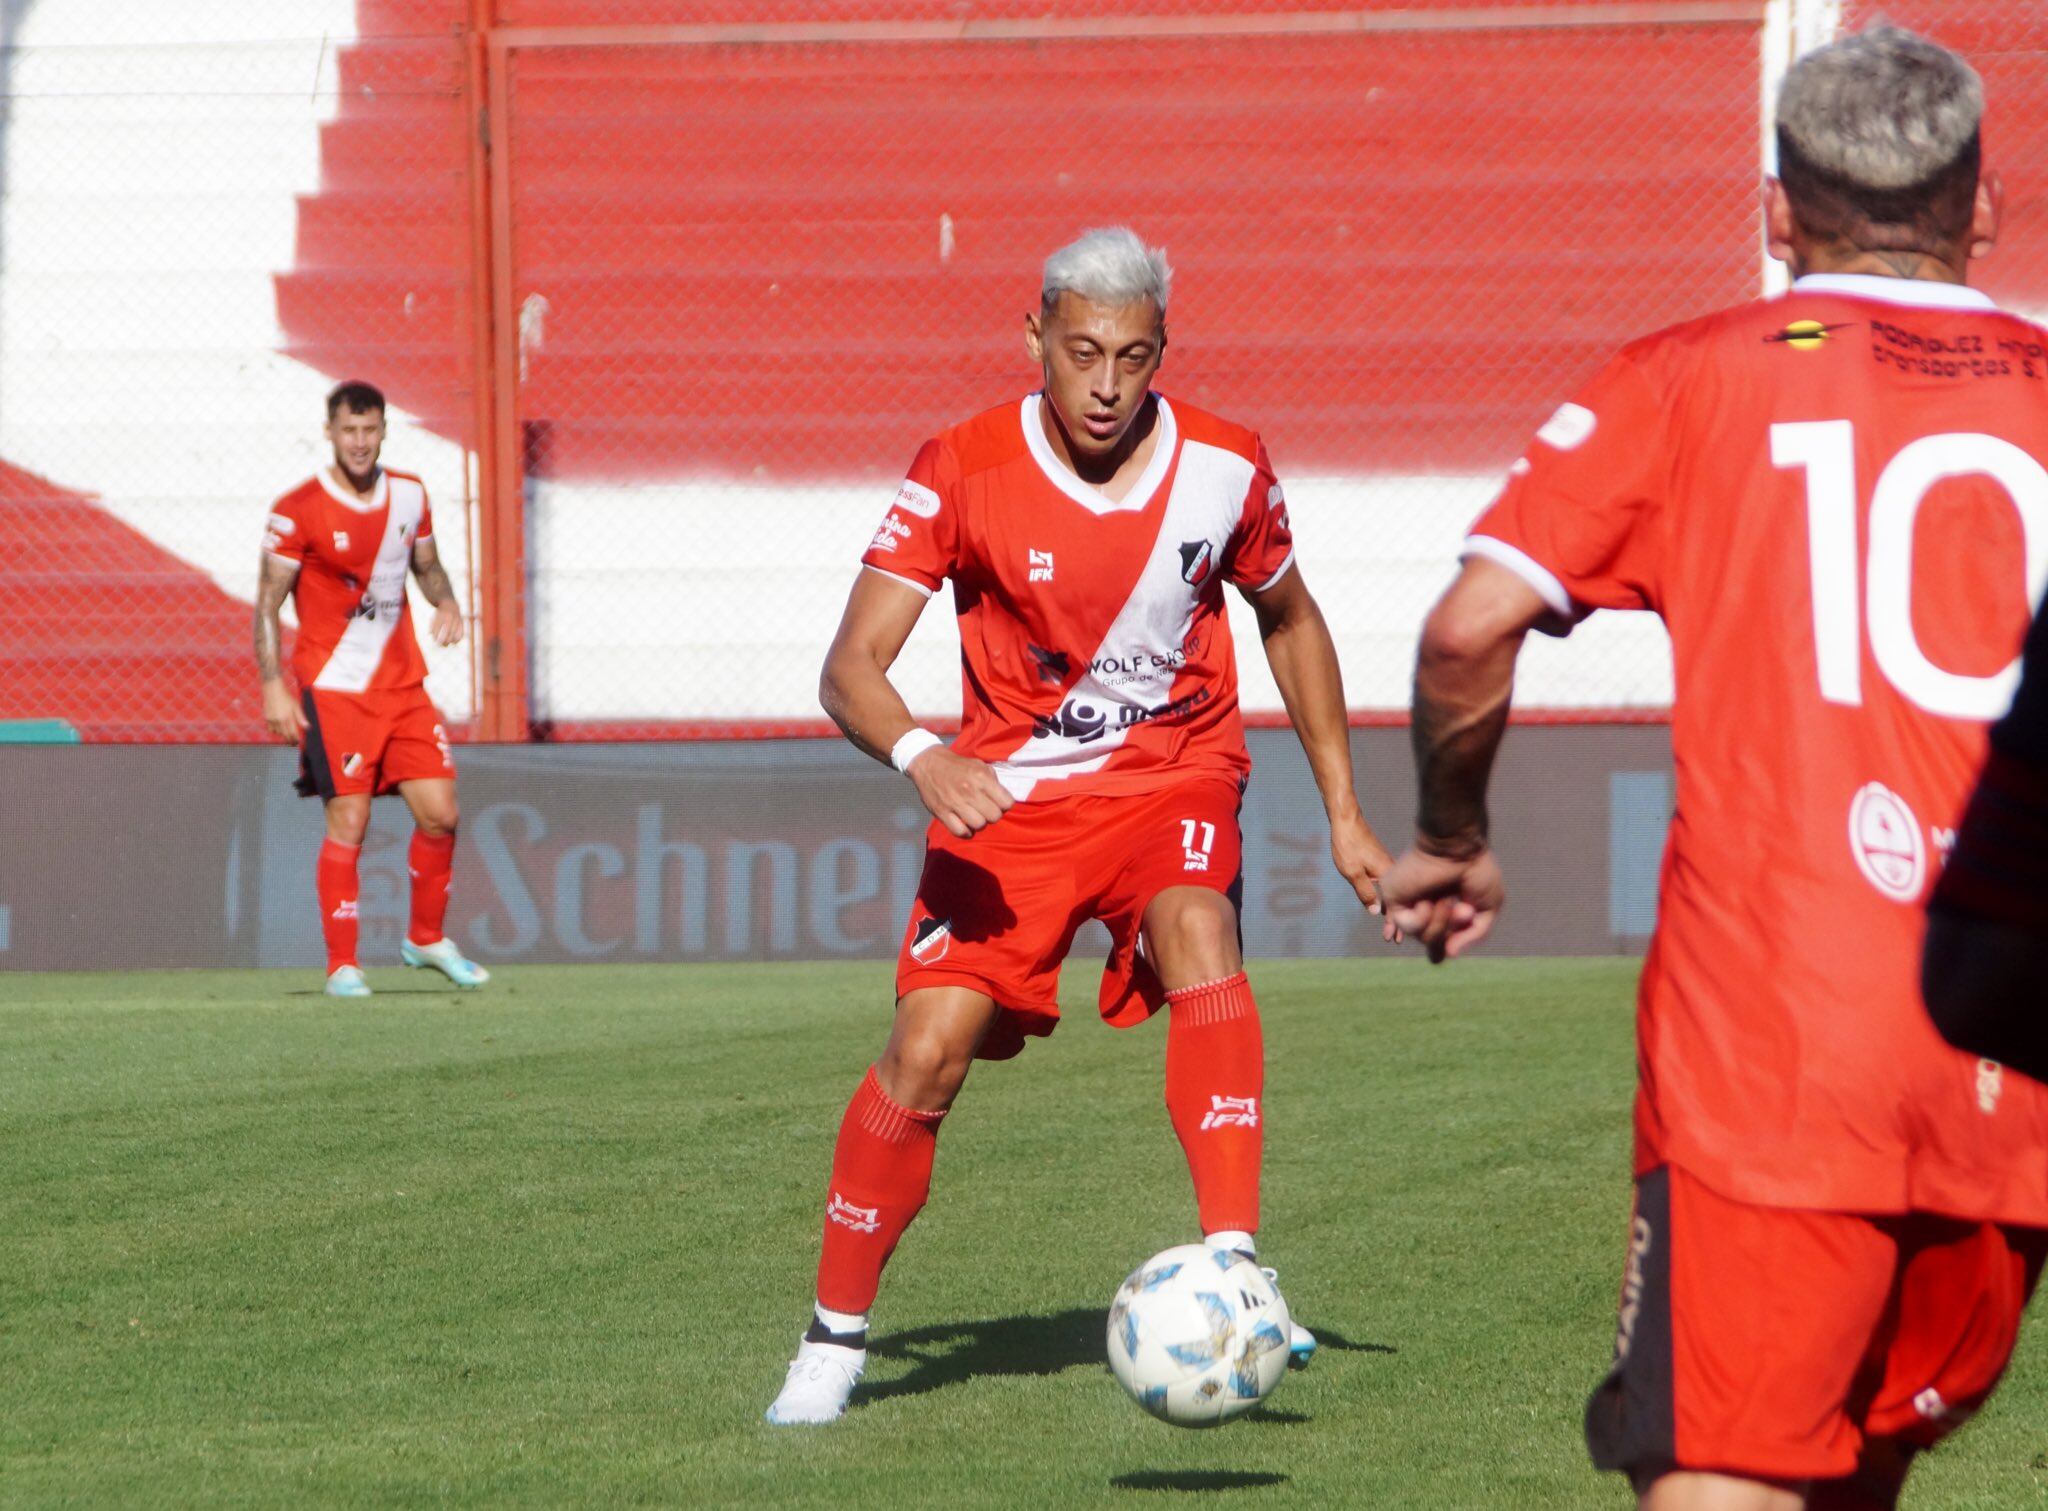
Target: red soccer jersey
column 355, row 626
column 1096, row 655
column 1837, row 502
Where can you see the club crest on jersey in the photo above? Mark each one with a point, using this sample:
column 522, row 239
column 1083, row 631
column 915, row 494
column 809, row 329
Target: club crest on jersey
column 341, row 540
column 933, row 938
column 1884, row 836
column 1053, row 666
column 1196, row 558
column 1041, row 566
column 1805, row 335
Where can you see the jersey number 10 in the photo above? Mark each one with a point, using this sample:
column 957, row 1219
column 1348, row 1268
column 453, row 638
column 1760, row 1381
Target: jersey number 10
column 1826, row 449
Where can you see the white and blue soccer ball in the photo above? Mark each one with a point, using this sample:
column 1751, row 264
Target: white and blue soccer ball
column 1198, row 1335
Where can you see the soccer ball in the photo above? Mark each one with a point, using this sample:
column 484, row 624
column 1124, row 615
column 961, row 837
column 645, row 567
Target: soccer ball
column 1198, row 1335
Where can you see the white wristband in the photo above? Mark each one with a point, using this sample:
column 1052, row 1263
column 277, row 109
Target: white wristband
column 911, row 746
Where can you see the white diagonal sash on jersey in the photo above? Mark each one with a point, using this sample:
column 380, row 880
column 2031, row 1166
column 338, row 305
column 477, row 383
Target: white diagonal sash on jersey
column 1131, row 674
column 360, row 650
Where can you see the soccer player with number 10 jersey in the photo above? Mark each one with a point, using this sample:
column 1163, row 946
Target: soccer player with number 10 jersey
column 1837, row 500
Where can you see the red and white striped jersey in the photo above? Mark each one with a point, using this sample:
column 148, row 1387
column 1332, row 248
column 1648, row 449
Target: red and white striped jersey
column 1096, row 655
column 355, row 626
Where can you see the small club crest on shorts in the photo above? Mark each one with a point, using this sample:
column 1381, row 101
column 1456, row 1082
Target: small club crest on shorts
column 351, row 763
column 933, row 938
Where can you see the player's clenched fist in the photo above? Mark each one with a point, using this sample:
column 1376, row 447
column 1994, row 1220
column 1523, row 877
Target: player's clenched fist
column 961, row 793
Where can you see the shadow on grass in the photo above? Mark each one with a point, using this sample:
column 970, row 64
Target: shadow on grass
column 952, row 1353
column 1196, row 1481
column 1343, row 1345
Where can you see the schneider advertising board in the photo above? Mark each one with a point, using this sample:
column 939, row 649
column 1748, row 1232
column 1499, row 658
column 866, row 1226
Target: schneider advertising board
column 115, row 857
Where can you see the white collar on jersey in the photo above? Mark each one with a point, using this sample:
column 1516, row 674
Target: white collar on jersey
column 1922, row 293
column 379, row 495
column 1094, row 500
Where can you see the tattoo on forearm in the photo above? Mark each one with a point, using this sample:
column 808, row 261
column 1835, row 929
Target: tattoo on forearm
column 433, row 578
column 1460, row 713
column 273, row 586
column 1454, row 749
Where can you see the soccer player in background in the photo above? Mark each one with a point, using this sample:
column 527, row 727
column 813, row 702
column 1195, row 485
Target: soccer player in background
column 339, row 545
column 1088, row 532
column 1835, row 500
column 1985, row 970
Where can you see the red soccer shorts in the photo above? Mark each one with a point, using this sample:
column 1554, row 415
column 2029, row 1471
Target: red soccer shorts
column 997, row 912
column 1775, row 1343
column 370, row 742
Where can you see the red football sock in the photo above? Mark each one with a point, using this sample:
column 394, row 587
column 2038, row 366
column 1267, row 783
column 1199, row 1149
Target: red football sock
column 881, row 1174
column 334, row 880
column 1215, row 1078
column 429, row 862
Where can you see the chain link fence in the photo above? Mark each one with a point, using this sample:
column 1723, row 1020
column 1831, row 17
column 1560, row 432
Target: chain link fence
column 666, row 295
column 192, row 248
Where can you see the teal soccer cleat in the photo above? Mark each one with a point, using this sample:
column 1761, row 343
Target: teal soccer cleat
column 442, row 956
column 347, row 981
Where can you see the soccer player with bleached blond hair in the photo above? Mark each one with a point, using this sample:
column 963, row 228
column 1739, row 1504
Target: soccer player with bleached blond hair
column 1837, row 500
column 1088, row 530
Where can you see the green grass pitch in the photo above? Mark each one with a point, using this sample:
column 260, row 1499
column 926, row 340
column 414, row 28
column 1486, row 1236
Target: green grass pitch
column 551, row 1244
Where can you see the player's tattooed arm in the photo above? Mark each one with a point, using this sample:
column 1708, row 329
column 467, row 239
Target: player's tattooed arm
column 1446, row 890
column 281, row 715
column 437, row 590
column 1464, row 681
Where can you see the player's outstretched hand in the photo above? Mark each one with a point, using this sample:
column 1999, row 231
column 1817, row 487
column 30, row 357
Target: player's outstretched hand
column 1362, row 860
column 961, row 793
column 1447, row 904
column 447, row 626
column 282, row 715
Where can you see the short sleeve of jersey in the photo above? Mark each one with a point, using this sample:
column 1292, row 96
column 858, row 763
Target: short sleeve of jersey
column 286, row 532
column 1264, row 548
column 1581, row 519
column 426, row 525
column 918, row 539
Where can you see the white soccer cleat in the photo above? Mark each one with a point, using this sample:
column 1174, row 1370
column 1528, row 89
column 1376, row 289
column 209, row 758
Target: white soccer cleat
column 820, row 1379
column 442, row 956
column 347, row 981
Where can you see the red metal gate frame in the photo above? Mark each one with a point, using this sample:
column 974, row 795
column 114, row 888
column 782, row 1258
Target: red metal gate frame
column 504, row 702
